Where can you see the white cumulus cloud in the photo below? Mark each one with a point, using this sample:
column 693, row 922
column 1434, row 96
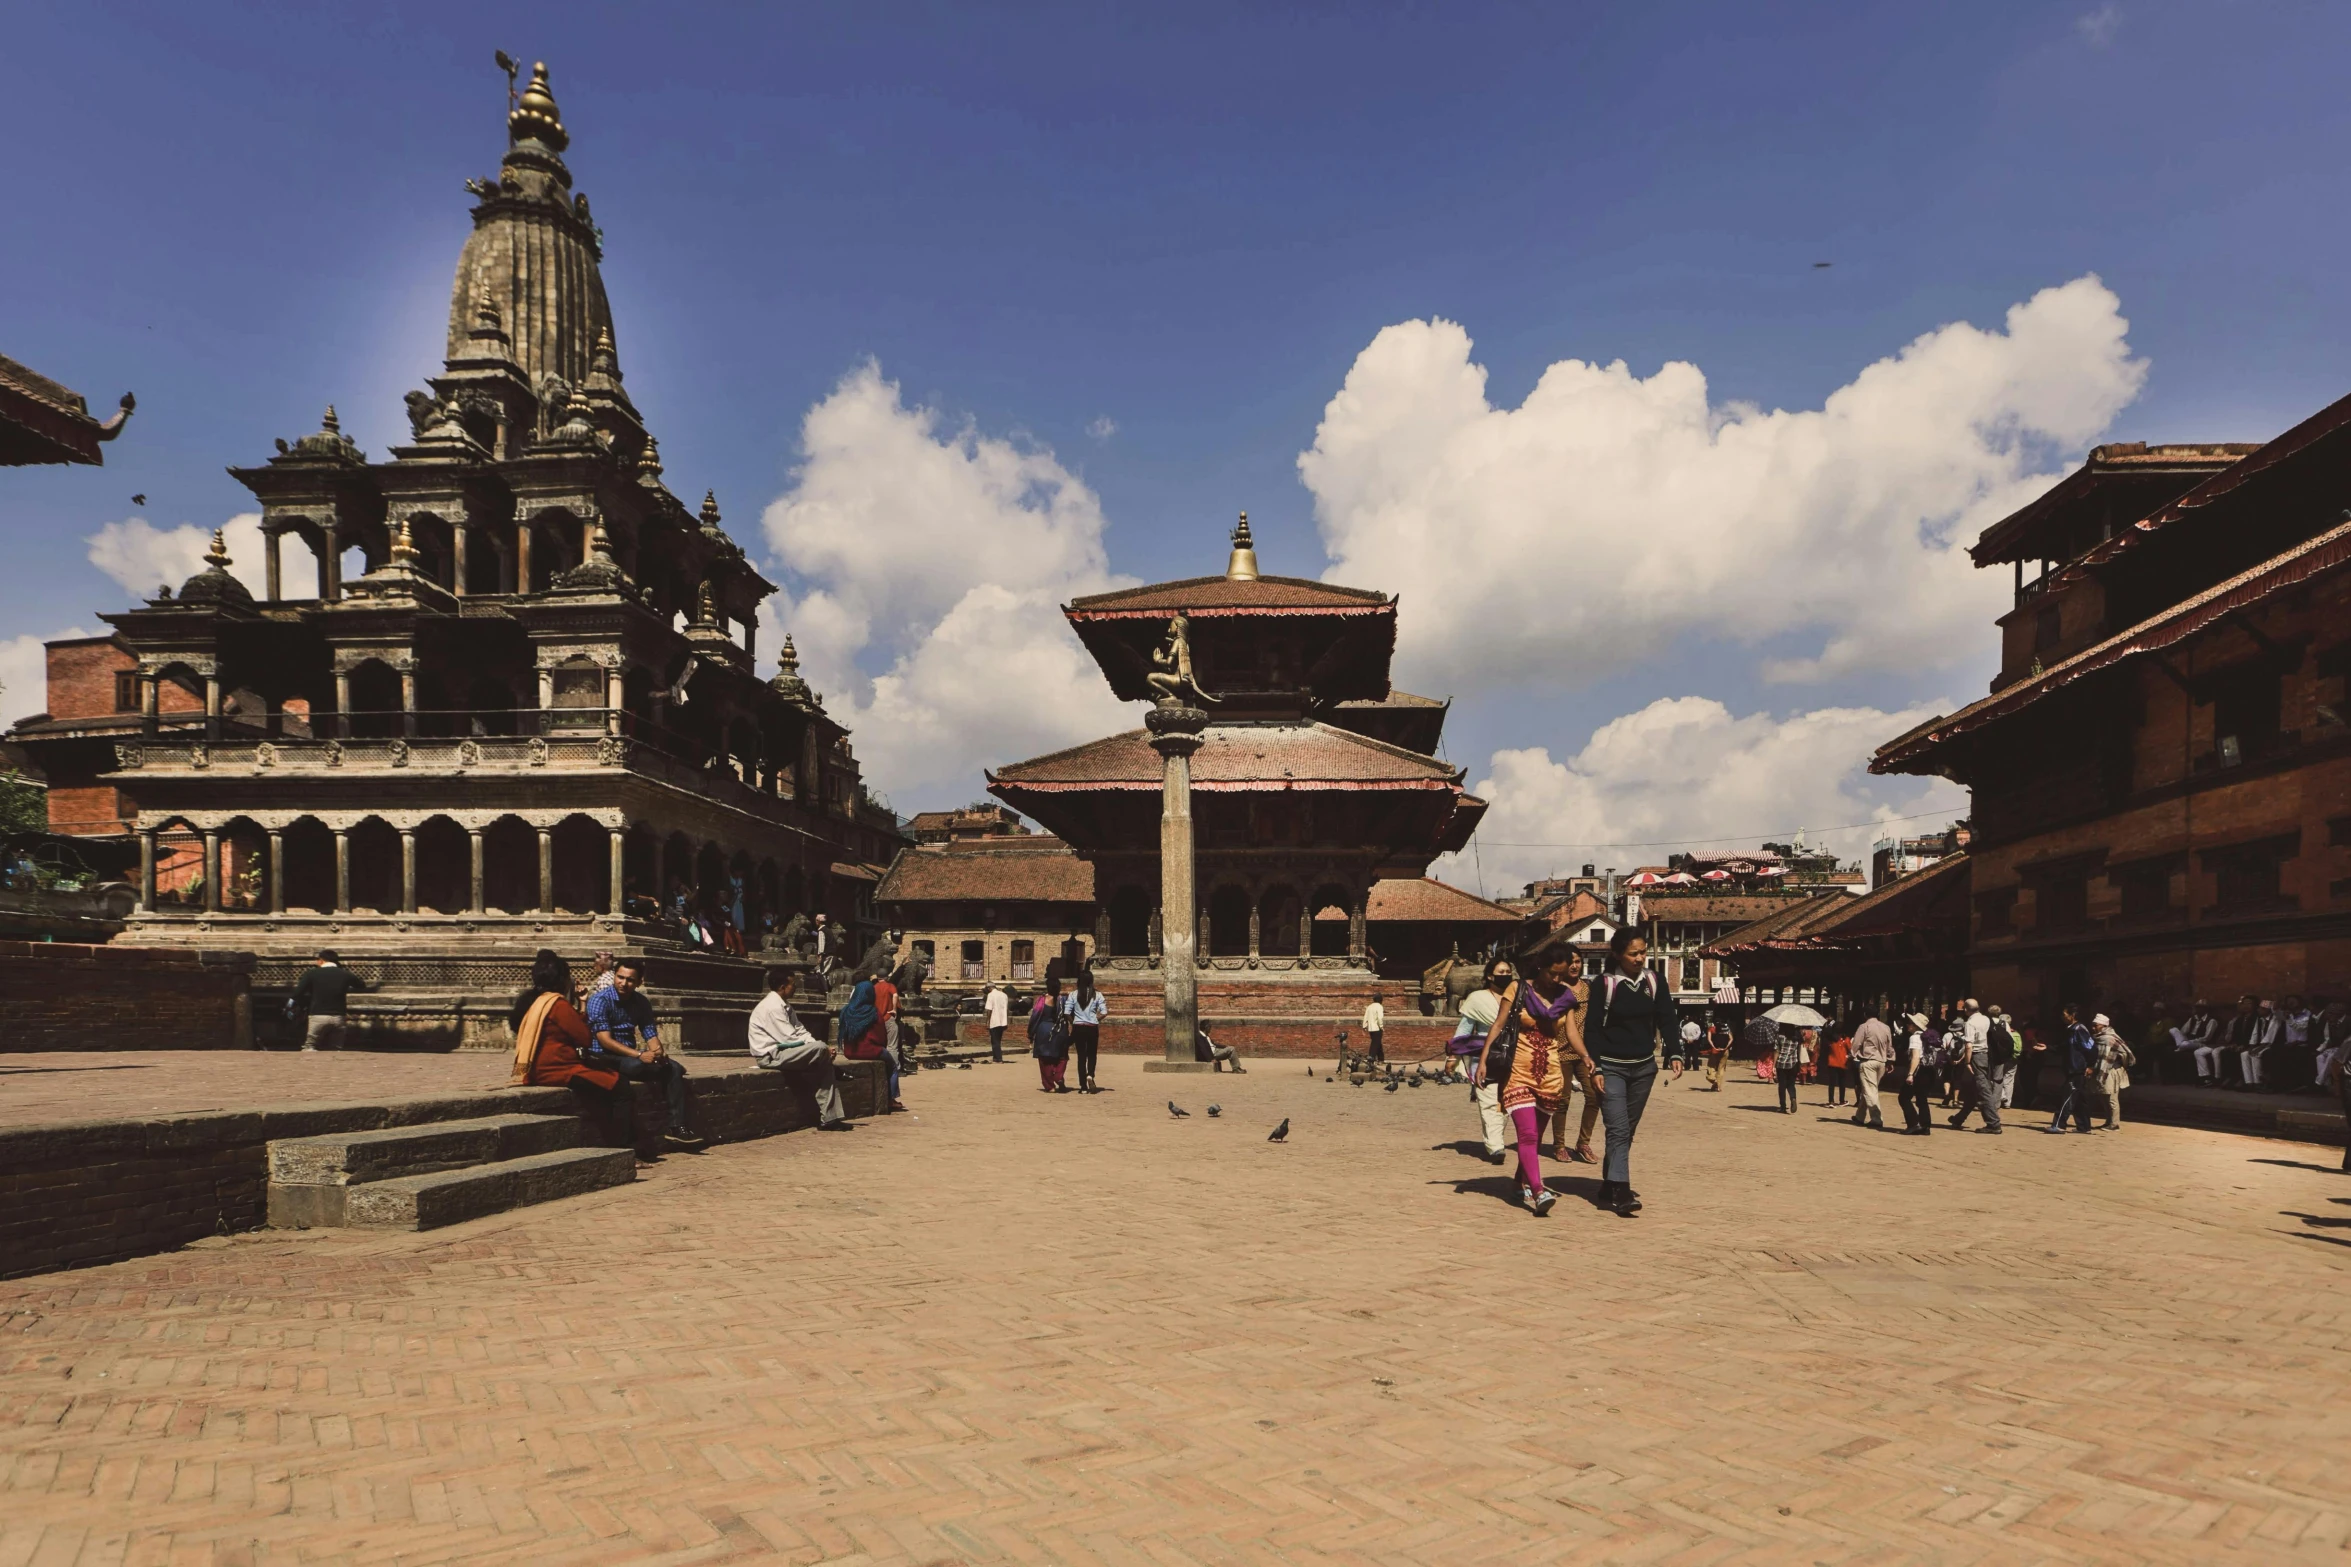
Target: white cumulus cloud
column 143, row 557
column 929, row 562
column 1683, row 770
column 1608, row 514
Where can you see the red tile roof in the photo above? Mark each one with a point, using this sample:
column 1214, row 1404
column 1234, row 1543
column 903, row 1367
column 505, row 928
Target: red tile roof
column 1428, row 900
column 1035, row 869
column 1711, row 907
column 1238, row 758
column 1219, row 596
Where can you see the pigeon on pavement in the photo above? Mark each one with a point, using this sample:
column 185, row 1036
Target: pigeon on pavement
column 1281, row 1133
column 1177, row 1110
column 1214, row 1111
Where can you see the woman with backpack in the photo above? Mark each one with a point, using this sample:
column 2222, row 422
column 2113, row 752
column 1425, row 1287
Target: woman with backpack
column 1631, row 1010
column 1049, row 1039
column 1085, row 1008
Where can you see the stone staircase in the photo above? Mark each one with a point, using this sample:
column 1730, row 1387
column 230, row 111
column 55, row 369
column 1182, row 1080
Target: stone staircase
column 435, row 1173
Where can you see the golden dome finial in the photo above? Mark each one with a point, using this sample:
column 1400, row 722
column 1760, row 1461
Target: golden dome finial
column 1243, row 566
column 535, row 117
column 218, row 556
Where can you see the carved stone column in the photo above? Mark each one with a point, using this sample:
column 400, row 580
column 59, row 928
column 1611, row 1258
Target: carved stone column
column 147, row 871
column 473, row 836
column 1175, row 735
column 342, row 705
column 458, row 534
column 330, row 566
column 1356, row 920
column 270, row 542
column 1256, row 920
column 619, row 850
column 277, row 871
column 522, row 557
column 212, row 870
column 1305, row 931
column 408, row 870
column 408, row 702
column 612, row 700
column 342, row 870
column 150, row 702
column 546, row 870
column 212, row 705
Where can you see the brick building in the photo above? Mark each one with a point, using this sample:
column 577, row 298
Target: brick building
column 2162, row 773
column 531, row 721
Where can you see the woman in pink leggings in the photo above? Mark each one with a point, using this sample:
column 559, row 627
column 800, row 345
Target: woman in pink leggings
column 1535, row 1087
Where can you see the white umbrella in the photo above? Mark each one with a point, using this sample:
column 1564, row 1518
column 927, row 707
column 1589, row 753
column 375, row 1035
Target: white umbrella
column 1771, row 870
column 1796, row 1013
column 1716, row 876
column 1681, row 879
column 1726, row 995
column 1645, row 879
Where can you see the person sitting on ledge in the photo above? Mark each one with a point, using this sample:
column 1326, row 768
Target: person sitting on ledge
column 1216, row 1055
column 551, row 1038
column 780, row 1042
column 626, row 1042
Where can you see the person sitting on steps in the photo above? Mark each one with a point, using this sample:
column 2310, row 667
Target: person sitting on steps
column 780, row 1042
column 627, row 1042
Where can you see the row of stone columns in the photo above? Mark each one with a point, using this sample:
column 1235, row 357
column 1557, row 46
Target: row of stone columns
column 277, row 877
column 330, row 583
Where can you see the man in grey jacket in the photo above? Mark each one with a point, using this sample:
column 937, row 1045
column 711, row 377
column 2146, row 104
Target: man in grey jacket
column 1873, row 1051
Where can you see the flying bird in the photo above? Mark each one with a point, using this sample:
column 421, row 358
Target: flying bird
column 138, row 500
column 1281, row 1133
column 1818, row 265
column 1214, row 1111
column 1177, row 1110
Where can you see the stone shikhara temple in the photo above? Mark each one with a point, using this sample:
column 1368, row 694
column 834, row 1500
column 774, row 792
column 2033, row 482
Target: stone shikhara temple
column 526, row 723
column 1313, row 783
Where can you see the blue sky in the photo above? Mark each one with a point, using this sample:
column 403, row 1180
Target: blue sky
column 1188, row 222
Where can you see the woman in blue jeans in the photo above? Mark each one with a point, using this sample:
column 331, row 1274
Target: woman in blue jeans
column 1629, row 1012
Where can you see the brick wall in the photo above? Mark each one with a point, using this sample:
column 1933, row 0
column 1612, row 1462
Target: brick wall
column 81, row 677
column 82, row 1192
column 68, row 997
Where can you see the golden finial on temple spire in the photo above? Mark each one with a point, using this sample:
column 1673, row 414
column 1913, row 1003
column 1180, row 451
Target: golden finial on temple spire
column 1243, row 566
column 218, row 556
column 535, row 117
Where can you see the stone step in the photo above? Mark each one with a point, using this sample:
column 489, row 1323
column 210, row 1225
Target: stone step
column 310, row 1177
column 426, row 1202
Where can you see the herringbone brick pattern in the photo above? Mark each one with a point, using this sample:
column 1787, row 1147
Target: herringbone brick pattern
column 1012, row 1328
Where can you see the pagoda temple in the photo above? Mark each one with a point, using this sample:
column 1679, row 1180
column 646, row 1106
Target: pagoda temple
column 1313, row 781
column 532, row 720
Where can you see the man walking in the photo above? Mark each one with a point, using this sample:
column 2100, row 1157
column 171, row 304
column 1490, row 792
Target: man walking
column 1873, row 1050
column 322, row 998
column 2081, row 1071
column 1480, row 1010
column 780, row 1042
column 1375, row 1028
column 999, row 1018
column 1975, row 1032
column 1685, row 1052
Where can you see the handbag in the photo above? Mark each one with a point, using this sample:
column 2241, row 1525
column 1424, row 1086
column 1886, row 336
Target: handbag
column 1502, row 1040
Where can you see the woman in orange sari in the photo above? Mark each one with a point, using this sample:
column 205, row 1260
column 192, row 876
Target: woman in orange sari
column 550, row 1033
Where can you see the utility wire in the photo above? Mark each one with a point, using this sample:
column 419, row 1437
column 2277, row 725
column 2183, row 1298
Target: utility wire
column 1744, row 837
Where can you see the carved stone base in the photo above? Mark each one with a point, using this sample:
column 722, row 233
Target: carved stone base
column 1179, row 1066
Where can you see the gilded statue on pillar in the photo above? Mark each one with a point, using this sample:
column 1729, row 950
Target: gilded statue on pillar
column 1171, row 668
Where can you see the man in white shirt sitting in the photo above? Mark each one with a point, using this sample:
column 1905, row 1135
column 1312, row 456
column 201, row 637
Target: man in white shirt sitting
column 781, row 1043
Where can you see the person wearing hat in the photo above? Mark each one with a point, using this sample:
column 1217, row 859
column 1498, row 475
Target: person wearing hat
column 2114, row 1063
column 1873, row 1052
column 1922, row 1080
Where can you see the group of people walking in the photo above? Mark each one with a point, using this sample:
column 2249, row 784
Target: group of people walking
column 1067, row 1027
column 1530, row 1038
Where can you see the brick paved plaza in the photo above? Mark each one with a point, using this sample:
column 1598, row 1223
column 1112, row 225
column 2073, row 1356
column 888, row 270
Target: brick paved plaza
column 1014, row 1328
